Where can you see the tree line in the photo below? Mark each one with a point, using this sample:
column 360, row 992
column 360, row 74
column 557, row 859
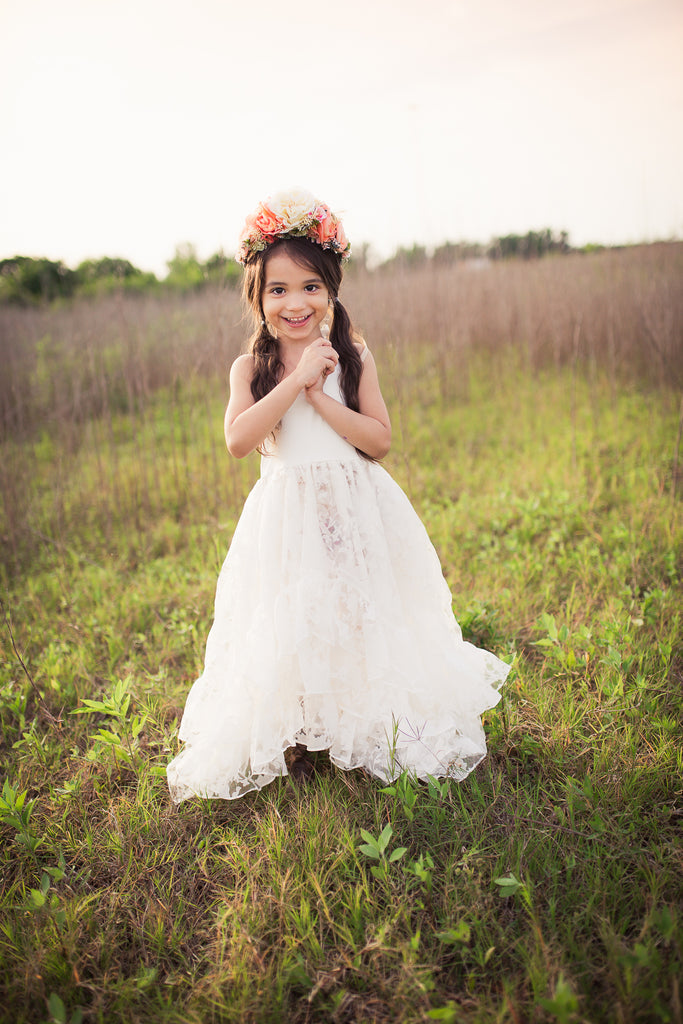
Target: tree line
column 532, row 245
column 27, row 281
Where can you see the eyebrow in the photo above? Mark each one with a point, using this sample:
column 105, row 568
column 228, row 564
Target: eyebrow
column 283, row 284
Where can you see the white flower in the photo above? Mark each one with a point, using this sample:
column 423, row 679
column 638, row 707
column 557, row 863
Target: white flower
column 295, row 207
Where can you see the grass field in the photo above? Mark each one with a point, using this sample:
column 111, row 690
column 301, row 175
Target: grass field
column 537, row 421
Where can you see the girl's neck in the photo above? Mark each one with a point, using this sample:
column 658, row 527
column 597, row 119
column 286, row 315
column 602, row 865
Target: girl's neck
column 290, row 353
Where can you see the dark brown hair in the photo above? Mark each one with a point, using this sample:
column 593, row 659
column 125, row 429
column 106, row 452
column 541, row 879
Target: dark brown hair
column 264, row 347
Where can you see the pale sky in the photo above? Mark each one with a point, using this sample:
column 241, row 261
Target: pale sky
column 129, row 127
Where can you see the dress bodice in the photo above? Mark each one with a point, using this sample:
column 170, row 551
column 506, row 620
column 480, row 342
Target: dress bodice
column 303, row 436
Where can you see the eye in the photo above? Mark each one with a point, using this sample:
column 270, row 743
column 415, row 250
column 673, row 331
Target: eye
column 277, row 290
column 312, row 287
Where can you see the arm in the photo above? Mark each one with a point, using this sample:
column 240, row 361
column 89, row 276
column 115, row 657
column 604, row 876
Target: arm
column 369, row 429
column 248, row 423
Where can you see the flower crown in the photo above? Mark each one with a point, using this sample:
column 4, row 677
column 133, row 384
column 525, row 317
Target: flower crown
column 293, row 214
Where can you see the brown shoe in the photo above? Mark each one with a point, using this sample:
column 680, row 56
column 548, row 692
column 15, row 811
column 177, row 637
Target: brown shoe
column 300, row 765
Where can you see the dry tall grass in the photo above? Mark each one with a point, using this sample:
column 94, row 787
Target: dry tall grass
column 621, row 311
column 83, row 372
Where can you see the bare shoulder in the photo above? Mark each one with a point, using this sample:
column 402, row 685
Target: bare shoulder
column 361, row 347
column 369, row 379
column 243, row 368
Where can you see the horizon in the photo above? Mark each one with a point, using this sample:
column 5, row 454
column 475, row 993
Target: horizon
column 371, row 263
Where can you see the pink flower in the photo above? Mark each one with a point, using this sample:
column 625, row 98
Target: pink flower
column 342, row 240
column 324, row 231
column 265, row 221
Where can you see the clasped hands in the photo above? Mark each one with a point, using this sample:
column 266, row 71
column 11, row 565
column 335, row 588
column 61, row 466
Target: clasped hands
column 317, row 361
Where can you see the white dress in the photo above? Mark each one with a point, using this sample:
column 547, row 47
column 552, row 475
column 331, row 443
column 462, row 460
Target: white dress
column 333, row 627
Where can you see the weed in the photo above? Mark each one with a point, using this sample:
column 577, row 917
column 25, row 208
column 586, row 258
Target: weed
column 547, row 885
column 122, row 739
column 377, row 850
column 15, row 812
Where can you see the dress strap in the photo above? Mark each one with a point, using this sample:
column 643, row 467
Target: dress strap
column 364, row 352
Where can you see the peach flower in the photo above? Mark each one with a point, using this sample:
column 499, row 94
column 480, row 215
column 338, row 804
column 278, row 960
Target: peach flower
column 342, row 240
column 266, row 222
column 324, row 231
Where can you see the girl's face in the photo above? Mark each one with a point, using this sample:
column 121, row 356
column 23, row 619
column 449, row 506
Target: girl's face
column 295, row 299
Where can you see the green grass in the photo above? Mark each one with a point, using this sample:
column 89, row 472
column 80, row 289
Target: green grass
column 546, row 887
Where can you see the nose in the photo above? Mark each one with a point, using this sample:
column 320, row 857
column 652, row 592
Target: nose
column 296, row 301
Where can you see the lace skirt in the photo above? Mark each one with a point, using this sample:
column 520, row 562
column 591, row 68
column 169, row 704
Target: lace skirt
column 333, row 627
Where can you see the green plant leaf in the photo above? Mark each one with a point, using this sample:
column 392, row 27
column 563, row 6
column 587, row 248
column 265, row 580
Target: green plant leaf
column 57, row 1009
column 509, row 885
column 384, row 837
column 459, row 935
column 448, row 1013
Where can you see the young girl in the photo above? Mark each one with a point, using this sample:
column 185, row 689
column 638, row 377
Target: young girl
column 333, row 626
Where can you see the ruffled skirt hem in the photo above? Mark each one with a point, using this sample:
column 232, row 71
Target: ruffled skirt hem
column 333, row 627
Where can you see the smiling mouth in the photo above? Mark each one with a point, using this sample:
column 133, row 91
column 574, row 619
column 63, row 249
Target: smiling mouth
column 296, row 321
